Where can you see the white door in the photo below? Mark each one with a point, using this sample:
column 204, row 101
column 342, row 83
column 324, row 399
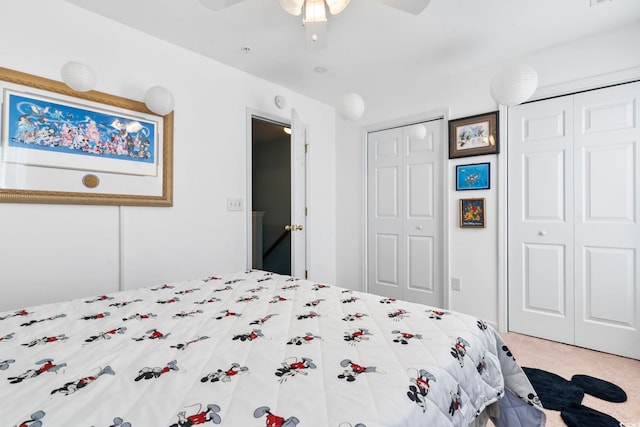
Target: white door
column 404, row 235
column 607, row 193
column 574, row 237
column 540, row 194
column 298, row 223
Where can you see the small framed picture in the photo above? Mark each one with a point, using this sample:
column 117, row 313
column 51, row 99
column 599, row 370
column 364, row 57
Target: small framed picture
column 472, row 213
column 474, row 135
column 473, row 177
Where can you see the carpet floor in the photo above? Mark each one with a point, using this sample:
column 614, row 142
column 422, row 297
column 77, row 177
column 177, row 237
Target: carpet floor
column 566, row 361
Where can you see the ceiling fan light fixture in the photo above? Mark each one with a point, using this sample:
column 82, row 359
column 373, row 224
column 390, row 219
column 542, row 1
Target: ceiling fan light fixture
column 316, row 32
column 314, row 11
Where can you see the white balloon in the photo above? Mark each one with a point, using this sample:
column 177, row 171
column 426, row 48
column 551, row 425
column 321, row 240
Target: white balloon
column 78, row 76
column 418, row 131
column 159, row 100
column 350, row 106
column 515, row 84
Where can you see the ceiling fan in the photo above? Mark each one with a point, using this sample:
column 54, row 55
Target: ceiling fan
column 314, row 13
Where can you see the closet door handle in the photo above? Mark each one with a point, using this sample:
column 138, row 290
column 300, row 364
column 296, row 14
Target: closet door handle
column 542, row 233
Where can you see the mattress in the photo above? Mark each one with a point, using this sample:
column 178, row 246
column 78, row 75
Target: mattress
column 255, row 349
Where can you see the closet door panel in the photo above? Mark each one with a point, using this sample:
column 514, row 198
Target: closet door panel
column 540, row 220
column 384, row 213
column 422, row 223
column 607, row 186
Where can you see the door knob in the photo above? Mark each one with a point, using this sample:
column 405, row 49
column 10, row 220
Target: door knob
column 294, row 227
column 542, row 233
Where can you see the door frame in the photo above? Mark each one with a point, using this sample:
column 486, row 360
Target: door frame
column 261, row 115
column 438, row 114
column 552, row 91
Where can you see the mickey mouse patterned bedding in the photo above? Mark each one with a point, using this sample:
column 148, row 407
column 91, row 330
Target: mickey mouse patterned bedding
column 254, row 349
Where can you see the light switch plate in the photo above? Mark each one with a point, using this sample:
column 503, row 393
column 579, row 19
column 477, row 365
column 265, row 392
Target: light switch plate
column 235, row 204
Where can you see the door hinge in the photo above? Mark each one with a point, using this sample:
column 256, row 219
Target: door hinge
column 306, row 148
column 306, row 211
column 306, row 274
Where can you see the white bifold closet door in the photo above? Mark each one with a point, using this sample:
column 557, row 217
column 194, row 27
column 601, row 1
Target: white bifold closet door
column 574, row 232
column 404, row 205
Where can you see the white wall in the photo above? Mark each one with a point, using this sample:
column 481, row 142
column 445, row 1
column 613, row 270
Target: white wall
column 473, row 253
column 50, row 252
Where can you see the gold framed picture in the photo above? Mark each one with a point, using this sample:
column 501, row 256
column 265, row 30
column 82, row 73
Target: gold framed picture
column 472, row 213
column 62, row 146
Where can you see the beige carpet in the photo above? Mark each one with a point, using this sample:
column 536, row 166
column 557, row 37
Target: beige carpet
column 566, row 361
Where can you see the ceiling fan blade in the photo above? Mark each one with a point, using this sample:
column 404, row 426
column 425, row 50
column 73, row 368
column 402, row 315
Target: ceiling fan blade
column 218, row 4
column 294, row 7
column 412, row 6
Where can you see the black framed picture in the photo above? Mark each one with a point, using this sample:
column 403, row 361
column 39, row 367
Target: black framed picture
column 473, row 177
column 474, row 135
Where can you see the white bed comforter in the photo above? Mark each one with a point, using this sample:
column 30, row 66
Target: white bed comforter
column 253, row 349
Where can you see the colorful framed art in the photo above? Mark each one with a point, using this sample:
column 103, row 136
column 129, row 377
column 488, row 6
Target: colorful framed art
column 472, row 213
column 474, row 135
column 63, row 146
column 473, row 177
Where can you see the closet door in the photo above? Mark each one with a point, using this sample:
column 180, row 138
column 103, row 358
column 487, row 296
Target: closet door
column 607, row 232
column 404, row 217
column 574, row 235
column 540, row 194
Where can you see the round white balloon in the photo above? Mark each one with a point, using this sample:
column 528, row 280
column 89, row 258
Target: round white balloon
column 159, row 100
column 419, row 131
column 350, row 106
column 515, row 84
column 78, row 76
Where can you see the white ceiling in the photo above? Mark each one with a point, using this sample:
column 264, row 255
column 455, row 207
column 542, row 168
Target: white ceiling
column 369, row 44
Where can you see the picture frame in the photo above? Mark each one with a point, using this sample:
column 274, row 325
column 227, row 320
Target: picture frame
column 474, row 135
column 472, row 213
column 473, row 177
column 61, row 146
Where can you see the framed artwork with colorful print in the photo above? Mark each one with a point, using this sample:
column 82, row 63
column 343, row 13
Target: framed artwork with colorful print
column 474, row 135
column 472, row 213
column 473, row 177
column 58, row 145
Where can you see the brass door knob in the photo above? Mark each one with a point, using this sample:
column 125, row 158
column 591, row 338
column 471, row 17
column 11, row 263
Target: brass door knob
column 295, row 227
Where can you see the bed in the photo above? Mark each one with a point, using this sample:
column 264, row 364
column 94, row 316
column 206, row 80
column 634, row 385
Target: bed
column 255, row 349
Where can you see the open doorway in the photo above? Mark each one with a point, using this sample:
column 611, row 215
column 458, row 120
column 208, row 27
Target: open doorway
column 271, row 195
